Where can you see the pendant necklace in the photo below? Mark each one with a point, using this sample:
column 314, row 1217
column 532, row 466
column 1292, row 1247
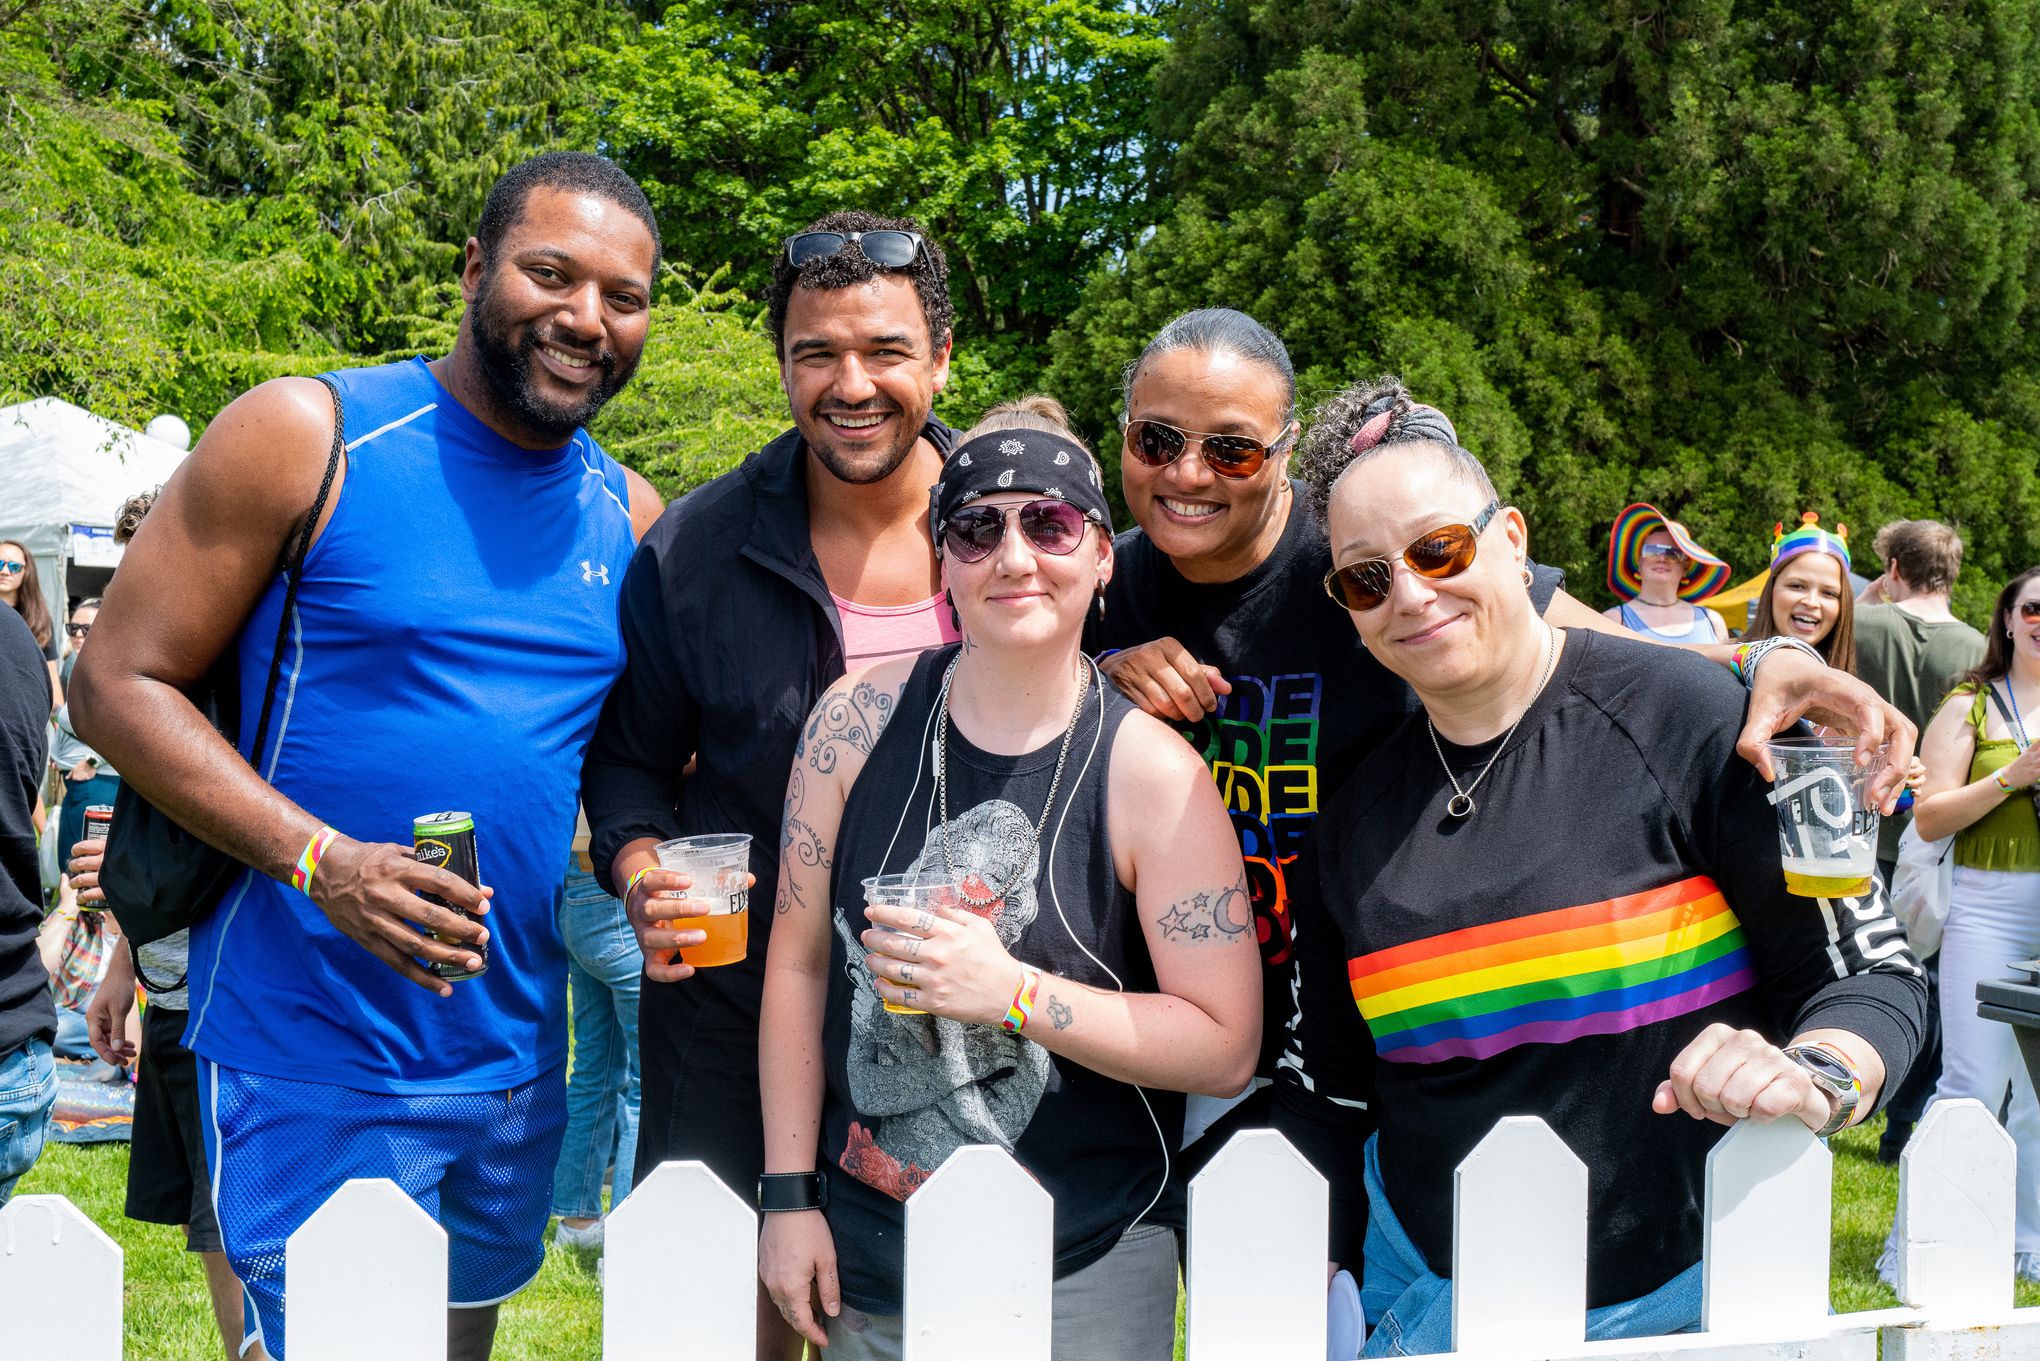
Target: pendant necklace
column 942, row 782
column 1461, row 803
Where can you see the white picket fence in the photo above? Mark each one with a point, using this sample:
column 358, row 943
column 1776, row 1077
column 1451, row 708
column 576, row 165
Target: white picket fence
column 369, row 1269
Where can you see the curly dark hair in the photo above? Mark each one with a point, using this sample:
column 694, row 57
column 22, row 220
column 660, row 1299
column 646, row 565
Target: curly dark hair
column 1326, row 449
column 847, row 268
column 132, row 511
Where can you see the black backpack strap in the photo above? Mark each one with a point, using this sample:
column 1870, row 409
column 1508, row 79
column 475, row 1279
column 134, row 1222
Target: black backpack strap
column 295, row 570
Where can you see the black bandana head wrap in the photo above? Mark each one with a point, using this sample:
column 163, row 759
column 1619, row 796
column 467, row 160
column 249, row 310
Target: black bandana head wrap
column 1018, row 460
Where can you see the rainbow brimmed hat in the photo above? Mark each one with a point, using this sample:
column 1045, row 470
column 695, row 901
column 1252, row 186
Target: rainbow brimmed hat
column 1808, row 537
column 1625, row 540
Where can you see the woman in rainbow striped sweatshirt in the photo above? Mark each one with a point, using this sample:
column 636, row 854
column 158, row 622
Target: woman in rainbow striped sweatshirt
column 1555, row 892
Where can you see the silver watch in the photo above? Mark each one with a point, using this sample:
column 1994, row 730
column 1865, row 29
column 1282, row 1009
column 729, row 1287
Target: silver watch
column 1832, row 1076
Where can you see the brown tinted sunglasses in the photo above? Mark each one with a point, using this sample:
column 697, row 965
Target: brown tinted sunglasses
column 1444, row 552
column 1236, row 456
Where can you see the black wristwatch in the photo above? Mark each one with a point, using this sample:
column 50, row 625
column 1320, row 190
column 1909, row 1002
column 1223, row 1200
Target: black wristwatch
column 1833, row 1075
column 779, row 1192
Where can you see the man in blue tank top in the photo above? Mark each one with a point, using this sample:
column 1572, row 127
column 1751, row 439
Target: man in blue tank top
column 448, row 645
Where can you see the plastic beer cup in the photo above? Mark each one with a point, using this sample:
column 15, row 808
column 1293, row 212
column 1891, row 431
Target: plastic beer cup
column 1827, row 826
column 921, row 892
column 719, row 864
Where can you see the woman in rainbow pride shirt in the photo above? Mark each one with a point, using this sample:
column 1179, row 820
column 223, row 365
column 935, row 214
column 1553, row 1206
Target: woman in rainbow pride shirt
column 1554, row 892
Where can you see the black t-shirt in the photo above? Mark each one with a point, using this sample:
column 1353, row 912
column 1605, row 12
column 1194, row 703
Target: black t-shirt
column 1307, row 703
column 904, row 1092
column 25, row 1007
column 1616, row 890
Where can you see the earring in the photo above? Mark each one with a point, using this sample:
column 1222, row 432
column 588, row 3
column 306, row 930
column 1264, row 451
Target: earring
column 1526, row 576
column 1098, row 604
column 955, row 619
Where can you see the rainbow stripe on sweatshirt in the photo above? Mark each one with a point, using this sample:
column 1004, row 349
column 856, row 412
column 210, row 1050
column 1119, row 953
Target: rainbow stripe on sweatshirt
column 1603, row 968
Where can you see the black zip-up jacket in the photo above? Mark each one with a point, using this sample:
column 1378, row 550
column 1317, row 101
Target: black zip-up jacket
column 730, row 637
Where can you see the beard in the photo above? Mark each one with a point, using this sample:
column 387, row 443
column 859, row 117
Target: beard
column 506, row 360
column 866, row 467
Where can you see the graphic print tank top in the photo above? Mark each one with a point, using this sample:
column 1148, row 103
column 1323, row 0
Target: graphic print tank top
column 904, row 1092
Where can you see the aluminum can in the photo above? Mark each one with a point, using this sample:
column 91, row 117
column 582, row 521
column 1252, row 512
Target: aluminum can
column 447, row 841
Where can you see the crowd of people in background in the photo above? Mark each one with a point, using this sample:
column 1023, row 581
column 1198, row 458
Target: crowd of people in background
column 1310, row 800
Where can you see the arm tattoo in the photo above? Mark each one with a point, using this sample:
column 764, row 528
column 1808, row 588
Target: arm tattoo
column 1217, row 916
column 854, row 721
column 1059, row 1013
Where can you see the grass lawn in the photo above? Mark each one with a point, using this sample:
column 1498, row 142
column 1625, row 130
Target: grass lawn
column 561, row 1315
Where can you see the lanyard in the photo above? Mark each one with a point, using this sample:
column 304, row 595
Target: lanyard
column 2018, row 722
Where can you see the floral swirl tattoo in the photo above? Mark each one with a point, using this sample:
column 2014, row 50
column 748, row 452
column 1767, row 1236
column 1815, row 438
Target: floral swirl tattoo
column 840, row 723
column 854, row 721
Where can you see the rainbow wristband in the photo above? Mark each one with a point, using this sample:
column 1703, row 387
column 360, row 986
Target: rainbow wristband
column 1021, row 1010
column 308, row 860
column 636, row 878
column 2004, row 786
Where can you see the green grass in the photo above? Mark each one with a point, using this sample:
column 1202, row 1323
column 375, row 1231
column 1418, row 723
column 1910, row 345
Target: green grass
column 560, row 1316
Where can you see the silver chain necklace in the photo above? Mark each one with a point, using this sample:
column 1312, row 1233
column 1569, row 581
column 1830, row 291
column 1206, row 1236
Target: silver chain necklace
column 942, row 781
column 1461, row 803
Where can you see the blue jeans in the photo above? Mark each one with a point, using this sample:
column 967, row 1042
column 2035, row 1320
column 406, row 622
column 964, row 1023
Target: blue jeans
column 28, row 1093
column 604, row 966
column 1409, row 1306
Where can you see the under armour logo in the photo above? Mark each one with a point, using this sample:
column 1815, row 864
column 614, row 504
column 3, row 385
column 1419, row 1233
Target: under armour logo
column 593, row 575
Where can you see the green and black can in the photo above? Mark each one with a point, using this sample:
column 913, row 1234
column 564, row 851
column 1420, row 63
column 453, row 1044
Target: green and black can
column 447, row 841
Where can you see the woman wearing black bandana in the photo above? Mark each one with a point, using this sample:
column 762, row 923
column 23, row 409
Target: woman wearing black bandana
column 1103, row 962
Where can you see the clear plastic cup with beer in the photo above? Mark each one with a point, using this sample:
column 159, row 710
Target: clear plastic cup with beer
column 915, row 891
column 719, row 863
column 1827, row 826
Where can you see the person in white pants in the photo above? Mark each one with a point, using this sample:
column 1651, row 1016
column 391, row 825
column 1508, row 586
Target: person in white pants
column 1982, row 767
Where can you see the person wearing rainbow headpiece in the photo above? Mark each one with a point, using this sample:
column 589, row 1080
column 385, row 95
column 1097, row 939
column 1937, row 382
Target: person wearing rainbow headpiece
column 1807, row 595
column 1661, row 574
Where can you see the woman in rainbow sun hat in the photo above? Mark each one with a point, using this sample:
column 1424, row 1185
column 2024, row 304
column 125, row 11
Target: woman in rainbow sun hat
column 1807, row 595
column 1661, row 574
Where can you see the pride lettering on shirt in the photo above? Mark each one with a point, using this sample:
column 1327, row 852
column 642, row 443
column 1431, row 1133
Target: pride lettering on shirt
column 1262, row 748
column 1599, row 969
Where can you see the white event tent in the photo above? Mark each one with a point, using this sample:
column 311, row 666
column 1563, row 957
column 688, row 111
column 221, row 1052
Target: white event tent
column 63, row 475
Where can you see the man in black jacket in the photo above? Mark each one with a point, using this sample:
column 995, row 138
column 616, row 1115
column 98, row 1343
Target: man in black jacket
column 28, row 1020
column 744, row 603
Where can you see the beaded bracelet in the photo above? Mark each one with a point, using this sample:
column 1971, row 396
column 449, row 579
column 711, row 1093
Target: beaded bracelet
column 1022, row 1008
column 308, row 860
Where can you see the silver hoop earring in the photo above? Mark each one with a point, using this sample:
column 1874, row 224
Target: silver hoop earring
column 1526, row 576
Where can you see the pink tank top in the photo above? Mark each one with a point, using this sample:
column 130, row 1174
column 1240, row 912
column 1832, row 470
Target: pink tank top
column 872, row 633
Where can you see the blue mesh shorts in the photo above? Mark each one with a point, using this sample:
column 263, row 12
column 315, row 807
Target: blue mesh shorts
column 480, row 1163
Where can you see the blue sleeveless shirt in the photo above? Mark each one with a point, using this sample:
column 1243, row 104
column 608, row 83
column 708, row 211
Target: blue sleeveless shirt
column 455, row 633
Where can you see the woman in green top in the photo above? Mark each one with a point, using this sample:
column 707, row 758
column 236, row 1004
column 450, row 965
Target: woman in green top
column 1981, row 769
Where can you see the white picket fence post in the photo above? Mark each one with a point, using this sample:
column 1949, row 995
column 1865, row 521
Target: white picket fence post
column 662, row 1300
column 1519, row 1242
column 1259, row 1219
column 980, row 1262
column 365, row 1276
column 60, row 1283
column 1957, row 1203
column 1770, row 1189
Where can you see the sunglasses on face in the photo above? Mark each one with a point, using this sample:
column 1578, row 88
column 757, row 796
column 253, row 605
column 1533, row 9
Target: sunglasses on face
column 975, row 532
column 1158, row 445
column 1663, row 550
column 10, row 568
column 77, row 630
column 2029, row 610
column 888, row 249
column 1444, row 552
